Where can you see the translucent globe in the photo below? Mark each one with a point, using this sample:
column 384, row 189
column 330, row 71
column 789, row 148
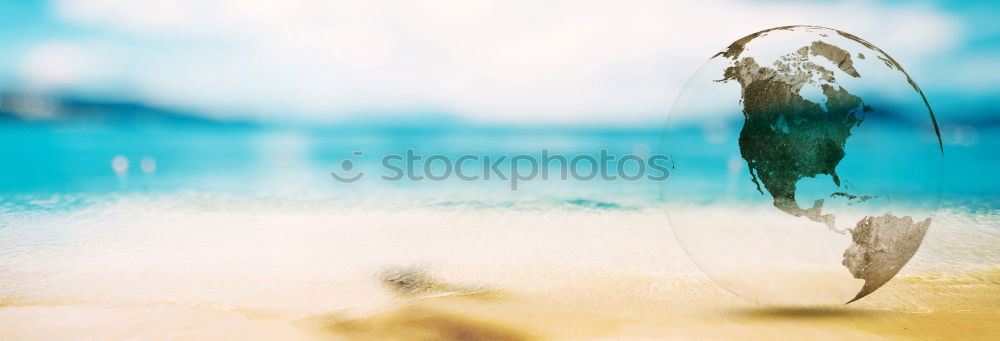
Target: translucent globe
column 806, row 167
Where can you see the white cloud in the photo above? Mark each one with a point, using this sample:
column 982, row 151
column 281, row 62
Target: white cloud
column 556, row 61
column 55, row 64
column 975, row 75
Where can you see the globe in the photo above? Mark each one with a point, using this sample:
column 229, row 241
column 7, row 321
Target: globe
column 806, row 167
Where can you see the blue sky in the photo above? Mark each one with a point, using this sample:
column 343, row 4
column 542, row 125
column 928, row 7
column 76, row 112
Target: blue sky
column 517, row 62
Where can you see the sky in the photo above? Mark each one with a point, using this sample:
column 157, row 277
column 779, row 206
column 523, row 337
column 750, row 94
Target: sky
column 503, row 62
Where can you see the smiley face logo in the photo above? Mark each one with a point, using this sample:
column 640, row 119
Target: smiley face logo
column 346, row 166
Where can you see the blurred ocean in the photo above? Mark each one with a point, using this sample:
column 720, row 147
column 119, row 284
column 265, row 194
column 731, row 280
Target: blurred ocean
column 87, row 160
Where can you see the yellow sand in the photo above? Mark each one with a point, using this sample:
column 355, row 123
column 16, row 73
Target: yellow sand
column 953, row 308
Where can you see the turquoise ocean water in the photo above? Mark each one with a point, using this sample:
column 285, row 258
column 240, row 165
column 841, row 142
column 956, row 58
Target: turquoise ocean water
column 46, row 161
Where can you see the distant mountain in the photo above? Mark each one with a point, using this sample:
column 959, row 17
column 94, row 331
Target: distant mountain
column 85, row 113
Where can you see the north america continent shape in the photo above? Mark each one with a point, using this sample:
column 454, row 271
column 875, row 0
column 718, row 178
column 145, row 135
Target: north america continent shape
column 786, row 137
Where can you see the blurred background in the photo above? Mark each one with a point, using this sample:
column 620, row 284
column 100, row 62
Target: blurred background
column 165, row 167
column 264, row 97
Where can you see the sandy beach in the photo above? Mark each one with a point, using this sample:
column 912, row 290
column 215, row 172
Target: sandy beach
column 266, row 271
column 911, row 307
